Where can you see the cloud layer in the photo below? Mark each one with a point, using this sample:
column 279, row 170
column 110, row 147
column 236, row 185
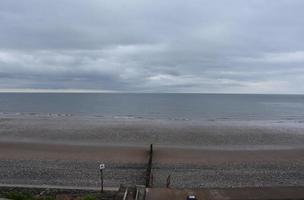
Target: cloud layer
column 215, row 46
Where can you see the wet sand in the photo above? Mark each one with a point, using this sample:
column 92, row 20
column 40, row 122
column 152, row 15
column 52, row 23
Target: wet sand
column 139, row 154
column 36, row 151
column 136, row 132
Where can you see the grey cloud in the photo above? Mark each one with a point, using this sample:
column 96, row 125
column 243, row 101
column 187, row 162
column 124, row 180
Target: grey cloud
column 153, row 46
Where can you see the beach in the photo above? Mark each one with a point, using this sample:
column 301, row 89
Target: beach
column 66, row 151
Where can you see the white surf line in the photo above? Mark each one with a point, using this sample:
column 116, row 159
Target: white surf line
column 59, row 187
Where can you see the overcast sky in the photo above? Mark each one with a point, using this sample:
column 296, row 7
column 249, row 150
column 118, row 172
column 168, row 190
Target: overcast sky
column 218, row 46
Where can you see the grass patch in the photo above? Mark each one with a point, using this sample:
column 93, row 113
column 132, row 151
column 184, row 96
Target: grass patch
column 47, row 198
column 19, row 196
column 89, row 197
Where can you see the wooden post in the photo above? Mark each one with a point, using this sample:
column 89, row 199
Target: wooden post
column 168, row 181
column 101, row 168
column 101, row 180
column 149, row 167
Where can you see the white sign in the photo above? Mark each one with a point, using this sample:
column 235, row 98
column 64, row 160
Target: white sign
column 102, row 166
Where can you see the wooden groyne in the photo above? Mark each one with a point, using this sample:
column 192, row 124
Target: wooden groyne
column 149, row 167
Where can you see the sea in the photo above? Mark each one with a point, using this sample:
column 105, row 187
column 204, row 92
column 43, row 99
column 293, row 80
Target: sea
column 156, row 106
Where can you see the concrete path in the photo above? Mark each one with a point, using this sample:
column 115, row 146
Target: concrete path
column 278, row 193
column 59, row 187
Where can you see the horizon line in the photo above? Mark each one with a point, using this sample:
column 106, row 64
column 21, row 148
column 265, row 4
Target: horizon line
column 80, row 91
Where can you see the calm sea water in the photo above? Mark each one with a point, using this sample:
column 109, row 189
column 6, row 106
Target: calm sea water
column 158, row 106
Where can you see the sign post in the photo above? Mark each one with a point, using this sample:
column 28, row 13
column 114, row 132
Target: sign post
column 101, row 168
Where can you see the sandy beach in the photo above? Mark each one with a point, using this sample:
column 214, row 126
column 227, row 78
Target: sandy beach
column 139, row 154
column 66, row 151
